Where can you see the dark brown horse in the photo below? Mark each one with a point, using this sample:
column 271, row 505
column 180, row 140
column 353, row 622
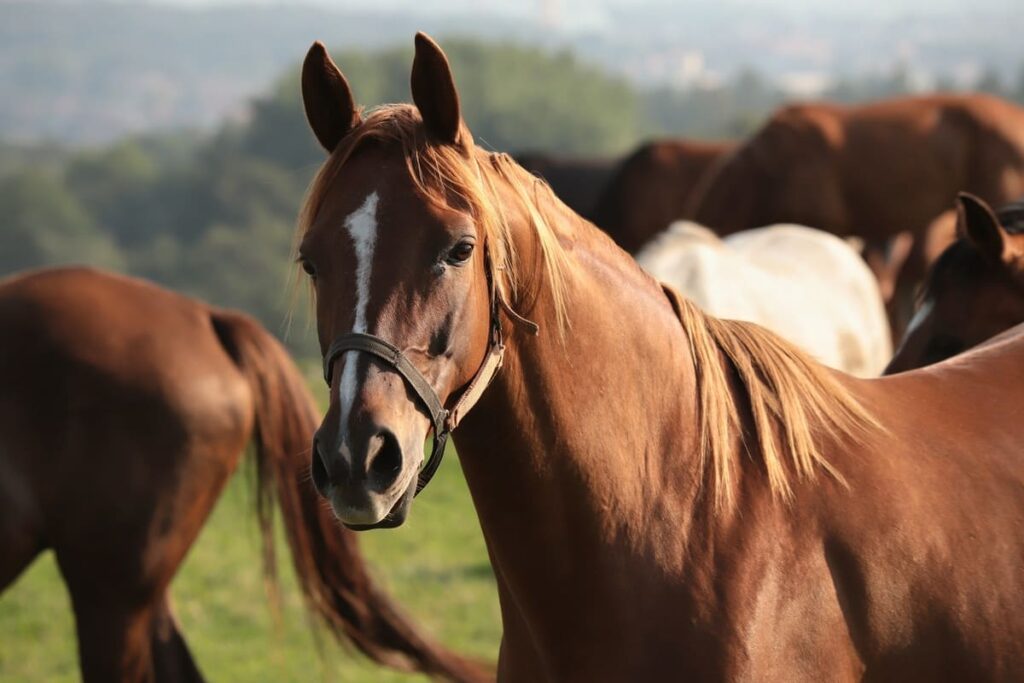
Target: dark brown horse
column 872, row 171
column 664, row 495
column 651, row 188
column 124, row 408
column 974, row 291
column 577, row 182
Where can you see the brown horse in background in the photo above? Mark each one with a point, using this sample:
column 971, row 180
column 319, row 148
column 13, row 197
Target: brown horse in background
column 651, row 188
column 577, row 182
column 902, row 270
column 124, row 409
column 974, row 291
column 871, row 171
column 664, row 495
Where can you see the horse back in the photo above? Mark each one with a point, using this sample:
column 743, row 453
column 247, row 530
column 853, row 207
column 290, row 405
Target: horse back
column 924, row 546
column 142, row 335
column 99, row 370
column 965, row 413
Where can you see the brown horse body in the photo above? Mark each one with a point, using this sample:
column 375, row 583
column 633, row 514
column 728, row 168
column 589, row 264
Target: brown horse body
column 838, row 168
column 577, row 182
column 651, row 188
column 124, row 408
column 613, row 565
column 665, row 496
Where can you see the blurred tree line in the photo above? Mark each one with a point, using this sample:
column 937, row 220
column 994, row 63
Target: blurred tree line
column 213, row 216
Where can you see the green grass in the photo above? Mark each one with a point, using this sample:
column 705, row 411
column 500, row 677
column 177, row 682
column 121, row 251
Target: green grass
column 435, row 566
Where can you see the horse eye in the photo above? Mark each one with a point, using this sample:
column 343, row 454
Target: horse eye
column 308, row 267
column 460, row 253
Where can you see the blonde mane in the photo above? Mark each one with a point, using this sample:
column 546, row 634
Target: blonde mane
column 461, row 177
column 794, row 403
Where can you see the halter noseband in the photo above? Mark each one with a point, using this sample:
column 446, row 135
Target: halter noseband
column 444, row 421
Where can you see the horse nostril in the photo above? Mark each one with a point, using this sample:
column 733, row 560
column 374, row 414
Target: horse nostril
column 318, row 469
column 385, row 464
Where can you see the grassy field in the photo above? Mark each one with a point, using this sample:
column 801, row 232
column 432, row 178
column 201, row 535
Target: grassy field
column 435, row 565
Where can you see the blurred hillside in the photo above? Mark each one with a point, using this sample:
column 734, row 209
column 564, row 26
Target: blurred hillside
column 90, row 71
column 212, row 213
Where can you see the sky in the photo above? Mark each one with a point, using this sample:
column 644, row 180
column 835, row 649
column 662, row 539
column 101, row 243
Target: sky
column 576, row 16
column 519, row 6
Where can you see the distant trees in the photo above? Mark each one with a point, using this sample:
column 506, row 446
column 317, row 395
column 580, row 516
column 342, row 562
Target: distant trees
column 729, row 110
column 214, row 216
column 44, row 223
column 991, row 82
column 112, row 186
column 513, row 97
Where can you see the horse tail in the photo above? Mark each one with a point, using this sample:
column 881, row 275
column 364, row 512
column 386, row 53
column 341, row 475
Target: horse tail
column 331, row 571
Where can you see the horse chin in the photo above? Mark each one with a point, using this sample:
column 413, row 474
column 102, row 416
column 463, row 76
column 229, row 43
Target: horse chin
column 396, row 516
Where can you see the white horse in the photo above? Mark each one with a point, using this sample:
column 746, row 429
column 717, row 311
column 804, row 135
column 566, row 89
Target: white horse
column 806, row 285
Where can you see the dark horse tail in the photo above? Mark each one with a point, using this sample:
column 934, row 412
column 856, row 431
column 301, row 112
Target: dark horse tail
column 331, row 570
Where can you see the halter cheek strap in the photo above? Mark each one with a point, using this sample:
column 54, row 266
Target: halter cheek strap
column 444, row 421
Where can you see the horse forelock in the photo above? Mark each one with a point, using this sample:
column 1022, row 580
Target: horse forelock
column 464, row 178
column 794, row 404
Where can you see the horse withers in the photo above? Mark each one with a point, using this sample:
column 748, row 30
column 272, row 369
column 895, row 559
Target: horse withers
column 665, row 495
column 124, row 409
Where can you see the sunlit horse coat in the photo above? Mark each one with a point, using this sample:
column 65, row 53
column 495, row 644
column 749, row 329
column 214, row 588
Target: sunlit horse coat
column 804, row 284
column 665, row 495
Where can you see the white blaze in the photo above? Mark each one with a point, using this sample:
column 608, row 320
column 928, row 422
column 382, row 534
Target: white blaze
column 362, row 228
column 916, row 322
column 919, row 317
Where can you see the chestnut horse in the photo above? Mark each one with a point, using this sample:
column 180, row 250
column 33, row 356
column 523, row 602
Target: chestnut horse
column 651, row 188
column 664, row 495
column 974, row 291
column 871, row 171
column 124, row 408
column 577, row 182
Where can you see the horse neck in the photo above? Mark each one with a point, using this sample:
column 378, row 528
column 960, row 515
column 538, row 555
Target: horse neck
column 586, row 445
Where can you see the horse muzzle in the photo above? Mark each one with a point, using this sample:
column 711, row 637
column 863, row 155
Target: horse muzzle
column 369, row 479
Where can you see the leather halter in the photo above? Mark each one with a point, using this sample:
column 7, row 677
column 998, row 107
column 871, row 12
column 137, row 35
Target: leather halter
column 444, row 421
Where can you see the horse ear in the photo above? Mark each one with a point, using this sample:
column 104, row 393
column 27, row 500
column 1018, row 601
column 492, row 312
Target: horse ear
column 433, row 91
column 976, row 221
column 330, row 108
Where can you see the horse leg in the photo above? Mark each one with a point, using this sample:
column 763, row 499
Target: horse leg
column 118, row 566
column 19, row 551
column 172, row 660
column 123, row 636
column 887, row 260
column 20, row 535
column 113, row 637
